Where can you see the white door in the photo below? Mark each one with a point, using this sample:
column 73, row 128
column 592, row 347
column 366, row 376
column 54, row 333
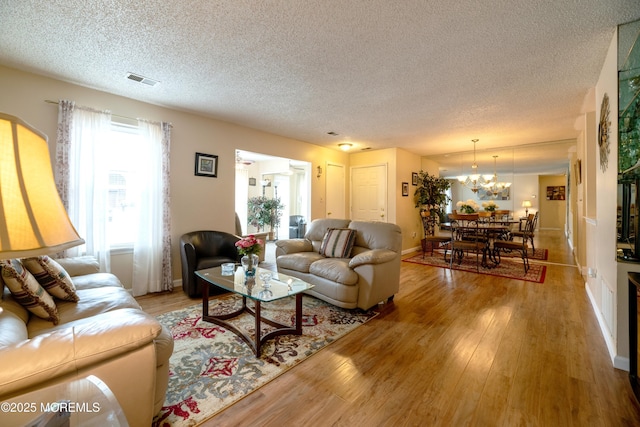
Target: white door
column 335, row 181
column 369, row 193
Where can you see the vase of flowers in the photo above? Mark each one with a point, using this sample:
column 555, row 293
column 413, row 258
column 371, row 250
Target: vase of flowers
column 249, row 247
column 489, row 206
column 468, row 207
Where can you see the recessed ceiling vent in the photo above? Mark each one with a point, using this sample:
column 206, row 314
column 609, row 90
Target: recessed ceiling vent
column 141, row 79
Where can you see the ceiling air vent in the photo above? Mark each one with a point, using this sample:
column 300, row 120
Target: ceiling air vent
column 141, row 79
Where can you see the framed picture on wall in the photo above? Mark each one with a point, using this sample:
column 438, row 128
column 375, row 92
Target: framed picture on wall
column 556, row 192
column 206, row 165
column 252, row 182
column 405, row 189
column 414, row 178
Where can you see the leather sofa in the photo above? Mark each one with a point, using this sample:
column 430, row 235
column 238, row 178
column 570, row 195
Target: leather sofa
column 105, row 334
column 204, row 249
column 369, row 275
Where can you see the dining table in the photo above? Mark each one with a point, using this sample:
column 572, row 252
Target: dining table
column 491, row 231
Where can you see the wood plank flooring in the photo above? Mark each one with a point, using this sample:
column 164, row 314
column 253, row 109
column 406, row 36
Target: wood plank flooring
column 454, row 348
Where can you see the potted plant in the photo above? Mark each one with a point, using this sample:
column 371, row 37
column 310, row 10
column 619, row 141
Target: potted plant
column 263, row 211
column 431, row 195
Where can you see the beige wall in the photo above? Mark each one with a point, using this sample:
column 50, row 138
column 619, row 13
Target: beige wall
column 553, row 213
column 196, row 202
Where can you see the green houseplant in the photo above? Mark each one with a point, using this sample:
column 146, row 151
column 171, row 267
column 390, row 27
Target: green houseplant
column 263, row 211
column 431, row 194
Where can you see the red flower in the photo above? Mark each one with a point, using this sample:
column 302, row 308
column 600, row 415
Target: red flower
column 249, row 245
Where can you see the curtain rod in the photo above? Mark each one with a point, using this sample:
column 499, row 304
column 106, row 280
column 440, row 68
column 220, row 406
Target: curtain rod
column 114, row 115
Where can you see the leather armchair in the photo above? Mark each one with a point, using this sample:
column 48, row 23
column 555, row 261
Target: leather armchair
column 204, row 249
column 297, row 227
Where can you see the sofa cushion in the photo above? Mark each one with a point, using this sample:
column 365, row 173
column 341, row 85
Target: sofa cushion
column 53, row 278
column 334, row 269
column 93, row 301
column 27, row 291
column 300, row 261
column 338, row 242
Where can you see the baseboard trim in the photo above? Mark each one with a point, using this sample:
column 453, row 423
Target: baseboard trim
column 618, row 362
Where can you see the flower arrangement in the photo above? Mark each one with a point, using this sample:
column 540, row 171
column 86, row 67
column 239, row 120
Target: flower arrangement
column 470, row 206
column 489, row 206
column 249, row 245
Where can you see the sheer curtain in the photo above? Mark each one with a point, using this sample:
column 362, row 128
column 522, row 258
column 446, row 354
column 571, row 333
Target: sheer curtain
column 82, row 176
column 152, row 246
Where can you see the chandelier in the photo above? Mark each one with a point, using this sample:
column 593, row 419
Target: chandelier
column 496, row 187
column 475, row 181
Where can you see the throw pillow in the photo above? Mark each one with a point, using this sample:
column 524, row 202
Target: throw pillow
column 338, row 242
column 53, row 278
column 27, row 291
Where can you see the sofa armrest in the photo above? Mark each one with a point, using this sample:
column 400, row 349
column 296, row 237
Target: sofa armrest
column 373, row 256
column 68, row 350
column 79, row 266
column 291, row 246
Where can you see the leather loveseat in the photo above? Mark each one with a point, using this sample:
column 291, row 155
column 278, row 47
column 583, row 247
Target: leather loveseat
column 367, row 274
column 105, row 333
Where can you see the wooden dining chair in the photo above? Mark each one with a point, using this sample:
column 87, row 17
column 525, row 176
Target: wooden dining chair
column 433, row 236
column 466, row 237
column 506, row 246
column 528, row 233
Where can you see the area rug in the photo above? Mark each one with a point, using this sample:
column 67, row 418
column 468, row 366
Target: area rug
column 509, row 267
column 212, row 368
column 537, row 255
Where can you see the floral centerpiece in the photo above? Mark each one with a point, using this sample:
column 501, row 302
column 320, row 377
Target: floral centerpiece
column 489, row 206
column 249, row 247
column 470, row 206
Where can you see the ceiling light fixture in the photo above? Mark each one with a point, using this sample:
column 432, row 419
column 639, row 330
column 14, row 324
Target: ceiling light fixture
column 496, row 187
column 475, row 180
column 345, row 146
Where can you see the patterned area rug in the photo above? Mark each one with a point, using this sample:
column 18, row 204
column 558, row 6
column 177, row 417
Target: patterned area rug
column 509, row 267
column 212, row 368
column 538, row 254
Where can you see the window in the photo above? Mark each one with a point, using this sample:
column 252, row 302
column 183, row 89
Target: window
column 123, row 185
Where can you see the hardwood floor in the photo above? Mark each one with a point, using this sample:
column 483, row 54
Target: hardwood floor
column 454, row 348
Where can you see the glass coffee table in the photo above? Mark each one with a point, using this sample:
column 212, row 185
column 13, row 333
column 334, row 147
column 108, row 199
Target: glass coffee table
column 279, row 286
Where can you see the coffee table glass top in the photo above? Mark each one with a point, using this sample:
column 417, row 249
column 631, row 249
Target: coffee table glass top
column 279, row 286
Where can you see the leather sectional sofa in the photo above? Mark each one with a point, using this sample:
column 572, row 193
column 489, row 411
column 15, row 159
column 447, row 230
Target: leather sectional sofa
column 369, row 273
column 105, row 334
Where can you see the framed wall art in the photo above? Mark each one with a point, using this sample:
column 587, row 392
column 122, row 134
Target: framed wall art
column 556, row 192
column 414, row 178
column 206, row 165
column 405, row 189
column 252, row 182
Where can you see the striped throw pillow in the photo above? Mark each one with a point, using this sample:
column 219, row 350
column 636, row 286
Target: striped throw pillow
column 338, row 242
column 53, row 278
column 27, row 291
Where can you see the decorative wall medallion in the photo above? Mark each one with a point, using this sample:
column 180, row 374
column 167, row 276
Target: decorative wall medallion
column 603, row 133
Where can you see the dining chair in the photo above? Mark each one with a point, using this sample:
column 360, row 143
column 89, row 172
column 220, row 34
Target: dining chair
column 433, row 236
column 466, row 237
column 528, row 233
column 506, row 246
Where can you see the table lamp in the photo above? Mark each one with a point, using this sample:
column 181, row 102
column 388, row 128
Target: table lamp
column 33, row 220
column 526, row 204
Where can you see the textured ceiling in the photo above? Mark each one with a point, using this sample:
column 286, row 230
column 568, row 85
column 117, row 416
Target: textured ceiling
column 427, row 76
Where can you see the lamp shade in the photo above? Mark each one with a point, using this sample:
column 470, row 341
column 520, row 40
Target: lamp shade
column 526, row 203
column 33, row 220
